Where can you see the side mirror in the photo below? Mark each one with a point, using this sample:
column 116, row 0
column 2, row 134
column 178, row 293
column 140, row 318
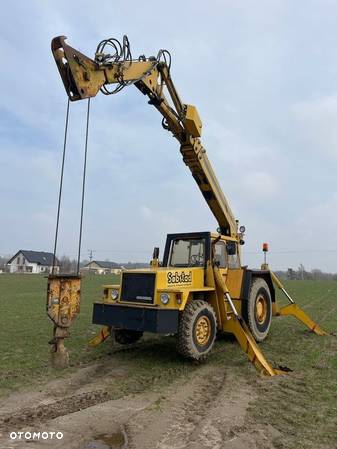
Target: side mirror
column 231, row 248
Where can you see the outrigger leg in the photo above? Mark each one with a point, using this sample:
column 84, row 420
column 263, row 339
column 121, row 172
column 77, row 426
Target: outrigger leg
column 294, row 310
column 102, row 335
column 235, row 324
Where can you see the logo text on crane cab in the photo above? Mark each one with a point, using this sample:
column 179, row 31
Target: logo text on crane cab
column 179, row 277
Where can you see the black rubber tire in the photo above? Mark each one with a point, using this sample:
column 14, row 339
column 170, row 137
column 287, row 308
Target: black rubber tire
column 259, row 329
column 125, row 336
column 187, row 344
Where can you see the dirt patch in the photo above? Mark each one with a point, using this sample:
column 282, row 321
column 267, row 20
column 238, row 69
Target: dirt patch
column 45, row 412
column 206, row 409
column 87, row 379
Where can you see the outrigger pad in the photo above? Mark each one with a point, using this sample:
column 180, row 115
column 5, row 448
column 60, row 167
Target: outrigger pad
column 285, row 369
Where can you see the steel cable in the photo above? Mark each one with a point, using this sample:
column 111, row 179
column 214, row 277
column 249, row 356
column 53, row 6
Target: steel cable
column 83, row 188
column 61, row 187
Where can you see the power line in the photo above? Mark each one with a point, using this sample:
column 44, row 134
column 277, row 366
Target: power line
column 5, row 253
column 300, row 251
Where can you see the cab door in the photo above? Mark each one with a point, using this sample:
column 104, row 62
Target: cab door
column 235, row 271
column 221, row 258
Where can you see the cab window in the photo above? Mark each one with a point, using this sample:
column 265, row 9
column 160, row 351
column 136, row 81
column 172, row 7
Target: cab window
column 220, row 254
column 233, row 255
column 187, row 253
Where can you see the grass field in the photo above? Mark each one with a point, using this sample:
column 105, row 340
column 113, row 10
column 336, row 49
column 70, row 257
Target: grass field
column 302, row 405
column 25, row 329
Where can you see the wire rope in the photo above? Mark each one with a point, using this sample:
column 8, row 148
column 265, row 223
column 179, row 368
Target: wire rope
column 60, row 186
column 83, row 188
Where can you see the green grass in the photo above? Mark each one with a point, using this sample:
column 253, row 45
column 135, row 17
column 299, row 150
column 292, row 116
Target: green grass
column 25, row 329
column 302, row 405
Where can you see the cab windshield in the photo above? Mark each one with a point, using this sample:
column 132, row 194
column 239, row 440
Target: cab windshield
column 187, row 253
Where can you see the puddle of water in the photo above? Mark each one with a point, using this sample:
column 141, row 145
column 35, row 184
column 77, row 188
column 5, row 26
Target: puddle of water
column 116, row 440
column 96, row 445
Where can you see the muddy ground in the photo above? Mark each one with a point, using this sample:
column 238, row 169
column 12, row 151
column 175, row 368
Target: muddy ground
column 206, row 409
column 146, row 396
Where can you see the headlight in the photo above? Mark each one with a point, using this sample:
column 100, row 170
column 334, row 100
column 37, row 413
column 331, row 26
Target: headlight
column 164, row 297
column 114, row 294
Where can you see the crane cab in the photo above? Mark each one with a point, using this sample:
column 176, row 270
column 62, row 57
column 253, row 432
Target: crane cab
column 200, row 249
column 154, row 299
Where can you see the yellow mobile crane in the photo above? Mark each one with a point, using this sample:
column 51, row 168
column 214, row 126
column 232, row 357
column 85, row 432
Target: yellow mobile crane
column 200, row 287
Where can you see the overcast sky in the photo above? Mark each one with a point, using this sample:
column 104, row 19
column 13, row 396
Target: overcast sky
column 263, row 75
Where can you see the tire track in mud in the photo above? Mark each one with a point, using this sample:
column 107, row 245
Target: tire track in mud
column 206, row 426
column 66, row 399
column 189, row 416
column 204, row 410
column 44, row 412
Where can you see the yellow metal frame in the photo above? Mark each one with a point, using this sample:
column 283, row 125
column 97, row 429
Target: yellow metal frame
column 102, row 335
column 225, row 299
column 293, row 309
column 83, row 78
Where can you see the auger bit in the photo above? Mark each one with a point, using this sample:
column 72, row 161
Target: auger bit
column 63, row 306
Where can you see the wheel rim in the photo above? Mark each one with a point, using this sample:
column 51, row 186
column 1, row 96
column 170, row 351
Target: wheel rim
column 203, row 330
column 261, row 308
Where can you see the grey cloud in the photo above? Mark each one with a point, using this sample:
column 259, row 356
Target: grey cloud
column 264, row 80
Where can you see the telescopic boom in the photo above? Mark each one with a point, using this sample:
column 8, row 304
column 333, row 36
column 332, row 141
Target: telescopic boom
column 84, row 78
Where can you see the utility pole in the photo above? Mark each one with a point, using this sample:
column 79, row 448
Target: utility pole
column 90, row 251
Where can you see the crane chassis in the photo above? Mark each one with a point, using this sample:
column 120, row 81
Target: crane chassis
column 200, row 287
